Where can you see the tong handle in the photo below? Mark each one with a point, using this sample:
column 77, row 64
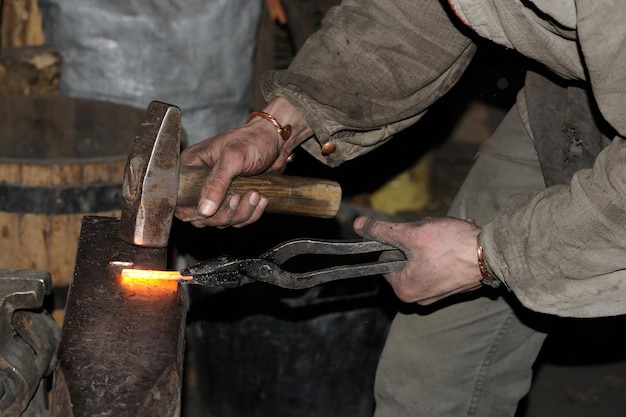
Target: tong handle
column 268, row 268
column 289, row 249
column 274, row 274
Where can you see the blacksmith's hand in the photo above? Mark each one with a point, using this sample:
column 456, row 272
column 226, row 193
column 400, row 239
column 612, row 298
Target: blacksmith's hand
column 441, row 256
column 253, row 148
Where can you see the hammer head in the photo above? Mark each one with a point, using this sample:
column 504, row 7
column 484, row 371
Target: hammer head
column 150, row 186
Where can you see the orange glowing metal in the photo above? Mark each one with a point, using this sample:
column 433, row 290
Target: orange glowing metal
column 137, row 274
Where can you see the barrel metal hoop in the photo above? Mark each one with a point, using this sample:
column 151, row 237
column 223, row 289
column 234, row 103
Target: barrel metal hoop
column 91, row 198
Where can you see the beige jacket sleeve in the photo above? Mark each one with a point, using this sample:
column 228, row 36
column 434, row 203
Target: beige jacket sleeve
column 563, row 250
column 372, row 71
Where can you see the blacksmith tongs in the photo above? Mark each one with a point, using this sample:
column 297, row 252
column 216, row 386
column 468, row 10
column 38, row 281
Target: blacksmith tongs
column 230, row 272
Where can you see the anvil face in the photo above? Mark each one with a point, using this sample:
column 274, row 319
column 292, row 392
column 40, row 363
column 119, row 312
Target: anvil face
column 122, row 346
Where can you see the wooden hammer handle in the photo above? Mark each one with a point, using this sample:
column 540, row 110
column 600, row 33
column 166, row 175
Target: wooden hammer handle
column 287, row 194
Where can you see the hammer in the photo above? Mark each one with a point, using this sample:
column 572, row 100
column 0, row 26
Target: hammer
column 155, row 183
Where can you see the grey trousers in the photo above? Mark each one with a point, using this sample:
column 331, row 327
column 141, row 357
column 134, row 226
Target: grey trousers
column 472, row 358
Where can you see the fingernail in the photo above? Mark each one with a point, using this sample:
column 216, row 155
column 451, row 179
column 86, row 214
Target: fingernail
column 207, row 208
column 254, row 199
column 233, row 202
column 358, row 222
column 264, row 202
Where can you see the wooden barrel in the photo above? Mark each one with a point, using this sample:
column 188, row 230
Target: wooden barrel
column 61, row 158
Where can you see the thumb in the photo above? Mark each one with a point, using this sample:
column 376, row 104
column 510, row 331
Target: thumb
column 383, row 232
column 374, row 229
column 363, row 226
column 215, row 189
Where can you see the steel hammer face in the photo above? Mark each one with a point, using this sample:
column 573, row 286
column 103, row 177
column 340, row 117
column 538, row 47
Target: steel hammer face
column 150, row 187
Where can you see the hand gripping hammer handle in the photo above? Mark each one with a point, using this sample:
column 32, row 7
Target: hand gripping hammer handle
column 287, row 194
column 155, row 183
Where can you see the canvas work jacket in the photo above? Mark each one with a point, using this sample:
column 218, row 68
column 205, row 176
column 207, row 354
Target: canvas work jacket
column 375, row 68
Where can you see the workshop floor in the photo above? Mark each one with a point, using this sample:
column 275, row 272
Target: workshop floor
column 581, row 372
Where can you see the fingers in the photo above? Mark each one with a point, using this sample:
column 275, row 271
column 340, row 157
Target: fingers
column 247, row 150
column 440, row 252
column 257, row 212
column 213, row 195
column 250, row 149
column 209, row 153
column 392, row 255
column 216, row 184
column 236, row 211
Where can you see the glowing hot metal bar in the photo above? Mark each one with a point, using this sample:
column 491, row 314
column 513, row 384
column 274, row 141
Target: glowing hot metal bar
column 128, row 273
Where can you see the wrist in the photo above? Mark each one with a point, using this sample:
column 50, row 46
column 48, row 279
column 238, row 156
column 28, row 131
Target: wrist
column 286, row 113
column 283, row 130
column 284, row 119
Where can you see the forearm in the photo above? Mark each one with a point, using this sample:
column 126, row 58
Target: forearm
column 371, row 71
column 561, row 250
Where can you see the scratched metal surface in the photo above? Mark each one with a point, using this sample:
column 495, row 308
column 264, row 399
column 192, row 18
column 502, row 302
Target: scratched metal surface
column 122, row 345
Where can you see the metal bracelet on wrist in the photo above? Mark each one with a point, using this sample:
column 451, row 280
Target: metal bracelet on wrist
column 487, row 277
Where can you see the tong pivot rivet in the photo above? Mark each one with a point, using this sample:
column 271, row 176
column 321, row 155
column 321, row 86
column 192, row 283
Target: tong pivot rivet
column 265, row 271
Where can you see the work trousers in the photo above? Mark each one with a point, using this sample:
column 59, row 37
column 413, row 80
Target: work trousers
column 474, row 357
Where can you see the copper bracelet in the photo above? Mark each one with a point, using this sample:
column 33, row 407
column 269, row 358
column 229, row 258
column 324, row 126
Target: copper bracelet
column 487, row 277
column 283, row 131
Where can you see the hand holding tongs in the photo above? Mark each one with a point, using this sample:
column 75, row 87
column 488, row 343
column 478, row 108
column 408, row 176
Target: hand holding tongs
column 230, row 272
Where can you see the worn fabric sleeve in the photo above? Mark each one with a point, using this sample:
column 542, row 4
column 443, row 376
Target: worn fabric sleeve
column 602, row 38
column 372, row 70
column 561, row 250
